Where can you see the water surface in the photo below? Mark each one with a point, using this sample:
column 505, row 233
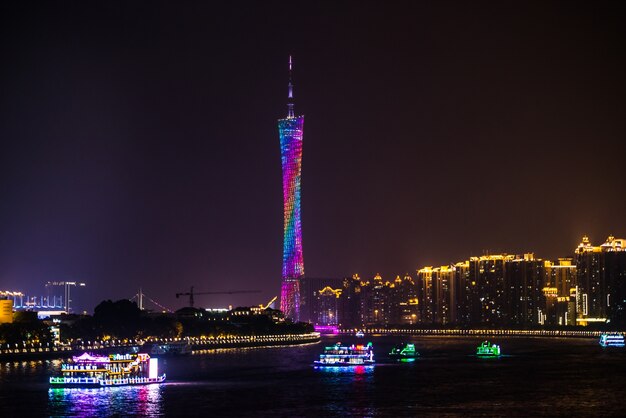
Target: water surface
column 535, row 377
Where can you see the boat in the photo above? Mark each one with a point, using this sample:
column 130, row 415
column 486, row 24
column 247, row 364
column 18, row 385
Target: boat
column 93, row 371
column 404, row 352
column 338, row 355
column 167, row 349
column 360, row 334
column 486, row 349
column 612, row 339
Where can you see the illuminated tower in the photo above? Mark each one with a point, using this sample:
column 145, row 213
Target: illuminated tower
column 290, row 130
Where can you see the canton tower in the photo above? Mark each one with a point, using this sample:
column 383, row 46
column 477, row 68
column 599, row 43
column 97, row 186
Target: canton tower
column 290, row 131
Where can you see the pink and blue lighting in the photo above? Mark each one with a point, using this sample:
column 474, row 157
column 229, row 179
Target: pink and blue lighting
column 327, row 329
column 86, row 357
column 290, row 131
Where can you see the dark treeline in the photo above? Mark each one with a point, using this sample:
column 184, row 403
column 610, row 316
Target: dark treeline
column 124, row 320
column 26, row 328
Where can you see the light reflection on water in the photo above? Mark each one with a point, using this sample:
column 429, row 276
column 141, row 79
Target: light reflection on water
column 447, row 380
column 124, row 400
column 354, row 381
column 346, row 370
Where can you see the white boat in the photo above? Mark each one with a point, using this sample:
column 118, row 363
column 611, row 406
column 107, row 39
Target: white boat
column 354, row 355
column 612, row 339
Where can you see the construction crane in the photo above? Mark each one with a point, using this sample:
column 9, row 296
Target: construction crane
column 228, row 292
column 264, row 307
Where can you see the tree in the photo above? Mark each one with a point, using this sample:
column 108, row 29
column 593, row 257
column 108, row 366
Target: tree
column 120, row 319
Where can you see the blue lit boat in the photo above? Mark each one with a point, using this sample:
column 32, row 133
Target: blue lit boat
column 488, row 350
column 404, row 352
column 339, row 356
column 612, row 340
column 90, row 371
column 359, row 334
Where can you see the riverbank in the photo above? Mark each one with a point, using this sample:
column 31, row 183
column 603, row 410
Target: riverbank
column 199, row 343
column 478, row 332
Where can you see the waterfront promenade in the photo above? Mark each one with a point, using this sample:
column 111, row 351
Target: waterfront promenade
column 475, row 332
column 34, row 351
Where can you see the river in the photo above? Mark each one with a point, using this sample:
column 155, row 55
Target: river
column 534, row 377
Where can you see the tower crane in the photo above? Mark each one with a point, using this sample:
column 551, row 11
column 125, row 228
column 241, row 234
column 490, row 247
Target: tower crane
column 264, row 307
column 191, row 293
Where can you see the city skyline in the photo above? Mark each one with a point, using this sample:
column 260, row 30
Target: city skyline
column 496, row 290
column 140, row 148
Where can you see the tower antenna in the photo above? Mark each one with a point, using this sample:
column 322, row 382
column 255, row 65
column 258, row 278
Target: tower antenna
column 290, row 113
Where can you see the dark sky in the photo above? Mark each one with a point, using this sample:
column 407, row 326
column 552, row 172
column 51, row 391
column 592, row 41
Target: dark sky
column 140, row 146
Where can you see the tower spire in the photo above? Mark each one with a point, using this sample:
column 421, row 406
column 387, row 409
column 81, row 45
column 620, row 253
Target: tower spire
column 290, row 113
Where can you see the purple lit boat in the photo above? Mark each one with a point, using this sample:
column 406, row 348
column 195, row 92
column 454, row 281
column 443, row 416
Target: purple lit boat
column 91, row 371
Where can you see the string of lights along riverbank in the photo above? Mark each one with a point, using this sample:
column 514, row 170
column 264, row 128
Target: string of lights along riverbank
column 290, row 131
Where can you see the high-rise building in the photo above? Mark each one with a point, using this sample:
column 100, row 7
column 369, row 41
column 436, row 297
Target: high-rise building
column 487, row 272
column 309, row 291
column 375, row 307
column 464, row 291
column 404, row 302
column 426, row 295
column 290, row 131
column 350, row 303
column 437, row 294
column 601, row 280
column 444, row 294
column 327, row 306
column 560, row 292
column 524, row 281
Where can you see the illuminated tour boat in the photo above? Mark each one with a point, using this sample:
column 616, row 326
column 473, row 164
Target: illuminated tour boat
column 612, row 340
column 486, row 349
column 354, row 355
column 89, row 370
column 404, row 352
column 360, row 334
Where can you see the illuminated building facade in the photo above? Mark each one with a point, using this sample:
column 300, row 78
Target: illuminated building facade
column 350, row 303
column 327, row 312
column 445, row 306
column 489, row 291
column 560, row 292
column 404, row 302
column 437, row 294
column 375, row 306
column 309, row 301
column 290, row 131
column 6, row 310
column 426, row 295
column 497, row 290
column 524, row 281
column 463, row 292
column 601, row 276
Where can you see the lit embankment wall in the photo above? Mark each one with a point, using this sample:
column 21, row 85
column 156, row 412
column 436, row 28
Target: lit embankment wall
column 34, row 351
column 476, row 332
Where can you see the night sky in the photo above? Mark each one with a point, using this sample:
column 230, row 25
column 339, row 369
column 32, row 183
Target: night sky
column 140, row 145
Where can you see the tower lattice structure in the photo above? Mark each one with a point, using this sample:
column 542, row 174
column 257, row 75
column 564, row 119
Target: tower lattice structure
column 290, row 131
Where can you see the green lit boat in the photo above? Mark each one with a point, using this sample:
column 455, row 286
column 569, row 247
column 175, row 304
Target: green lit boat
column 486, row 349
column 404, row 352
